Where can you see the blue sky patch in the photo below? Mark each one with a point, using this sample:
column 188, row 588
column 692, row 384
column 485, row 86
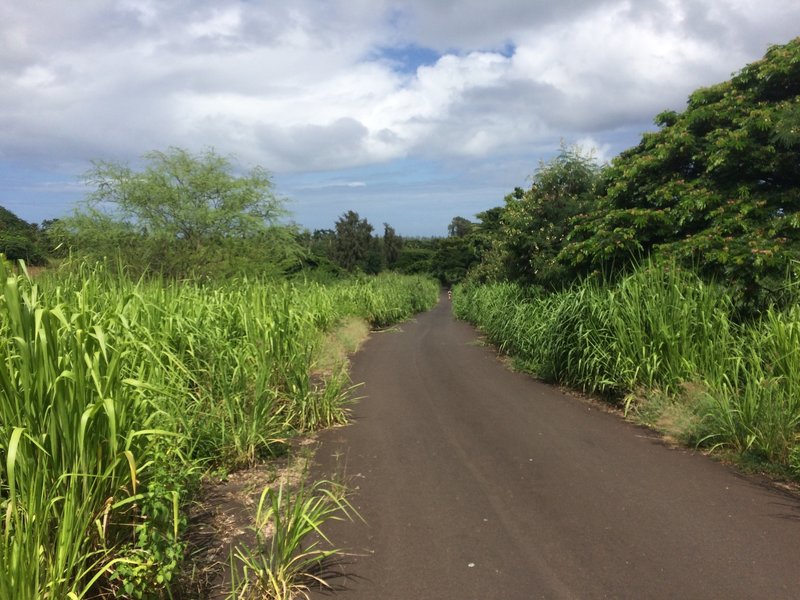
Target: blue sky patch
column 407, row 59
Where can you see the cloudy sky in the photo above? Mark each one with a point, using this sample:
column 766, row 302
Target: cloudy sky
column 407, row 112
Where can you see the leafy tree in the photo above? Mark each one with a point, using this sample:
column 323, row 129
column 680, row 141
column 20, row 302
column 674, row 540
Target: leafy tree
column 459, row 227
column 469, row 244
column 453, row 257
column 392, row 244
column 491, row 221
column 353, row 241
column 317, row 263
column 374, row 260
column 19, row 240
column 183, row 213
column 535, row 222
column 787, row 126
column 485, row 260
column 323, row 243
column 416, row 256
column 718, row 186
column 413, row 261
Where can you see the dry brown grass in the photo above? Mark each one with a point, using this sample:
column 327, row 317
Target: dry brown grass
column 340, row 343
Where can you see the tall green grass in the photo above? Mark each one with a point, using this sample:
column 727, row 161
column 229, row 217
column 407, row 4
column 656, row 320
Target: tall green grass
column 658, row 330
column 115, row 394
column 77, row 428
column 754, row 405
column 386, row 298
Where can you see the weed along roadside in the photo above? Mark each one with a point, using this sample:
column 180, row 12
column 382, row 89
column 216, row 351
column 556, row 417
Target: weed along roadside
column 664, row 346
column 121, row 397
column 262, row 516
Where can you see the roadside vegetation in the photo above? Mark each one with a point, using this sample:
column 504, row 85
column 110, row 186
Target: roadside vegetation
column 663, row 343
column 178, row 330
column 117, row 395
column 667, row 280
column 181, row 332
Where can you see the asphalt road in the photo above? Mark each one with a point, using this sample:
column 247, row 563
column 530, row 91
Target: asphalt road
column 477, row 482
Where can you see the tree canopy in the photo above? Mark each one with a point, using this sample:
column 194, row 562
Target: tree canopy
column 353, row 242
column 536, row 221
column 392, row 245
column 459, row 227
column 718, row 186
column 183, row 213
column 19, row 240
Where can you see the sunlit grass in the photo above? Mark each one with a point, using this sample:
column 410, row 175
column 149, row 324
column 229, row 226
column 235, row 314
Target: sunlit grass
column 283, row 564
column 116, row 394
column 651, row 335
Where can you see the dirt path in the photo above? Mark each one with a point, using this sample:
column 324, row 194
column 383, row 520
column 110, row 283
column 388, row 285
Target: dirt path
column 476, row 482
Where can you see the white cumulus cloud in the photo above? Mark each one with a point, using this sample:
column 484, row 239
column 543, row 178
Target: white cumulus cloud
column 312, row 86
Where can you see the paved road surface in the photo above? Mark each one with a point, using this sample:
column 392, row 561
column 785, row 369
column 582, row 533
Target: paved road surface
column 476, row 482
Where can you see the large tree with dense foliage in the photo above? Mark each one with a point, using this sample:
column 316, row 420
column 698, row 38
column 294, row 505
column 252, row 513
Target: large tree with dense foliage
column 19, row 240
column 353, row 243
column 466, row 246
column 453, row 258
column 183, row 213
column 392, row 245
column 718, row 186
column 460, row 227
column 534, row 223
column 416, row 256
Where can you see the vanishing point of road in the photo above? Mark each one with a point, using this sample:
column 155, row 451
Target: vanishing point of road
column 476, row 482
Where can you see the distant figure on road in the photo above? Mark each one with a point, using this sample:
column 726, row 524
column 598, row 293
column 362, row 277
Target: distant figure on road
column 449, row 294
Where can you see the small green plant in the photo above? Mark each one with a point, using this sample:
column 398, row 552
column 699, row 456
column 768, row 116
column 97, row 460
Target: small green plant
column 154, row 549
column 279, row 567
